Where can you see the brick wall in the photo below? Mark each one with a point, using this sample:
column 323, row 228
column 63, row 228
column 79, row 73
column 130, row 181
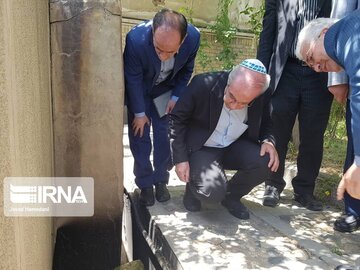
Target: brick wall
column 244, row 45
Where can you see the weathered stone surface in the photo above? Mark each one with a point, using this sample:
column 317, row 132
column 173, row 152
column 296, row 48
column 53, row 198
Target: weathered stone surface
column 25, row 126
column 67, row 9
column 87, row 83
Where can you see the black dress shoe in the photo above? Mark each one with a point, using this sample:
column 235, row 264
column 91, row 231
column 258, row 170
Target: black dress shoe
column 271, row 196
column 308, row 201
column 190, row 202
column 236, row 208
column 147, row 196
column 347, row 223
column 161, row 192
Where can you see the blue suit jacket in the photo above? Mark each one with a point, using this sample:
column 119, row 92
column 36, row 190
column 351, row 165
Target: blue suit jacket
column 341, row 43
column 142, row 66
column 339, row 10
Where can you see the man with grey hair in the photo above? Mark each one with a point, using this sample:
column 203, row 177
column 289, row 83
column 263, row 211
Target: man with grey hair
column 222, row 122
column 339, row 86
column 329, row 45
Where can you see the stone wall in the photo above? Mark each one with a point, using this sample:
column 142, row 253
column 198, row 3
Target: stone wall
column 25, row 126
column 203, row 11
column 87, row 87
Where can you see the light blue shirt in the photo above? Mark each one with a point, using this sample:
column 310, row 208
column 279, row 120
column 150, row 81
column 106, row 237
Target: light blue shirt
column 165, row 71
column 230, row 127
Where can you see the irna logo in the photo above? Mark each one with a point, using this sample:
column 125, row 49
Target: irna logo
column 47, row 194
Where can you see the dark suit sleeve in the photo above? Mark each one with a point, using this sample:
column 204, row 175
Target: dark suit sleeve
column 183, row 76
column 266, row 122
column 268, row 34
column 264, row 53
column 180, row 118
column 133, row 77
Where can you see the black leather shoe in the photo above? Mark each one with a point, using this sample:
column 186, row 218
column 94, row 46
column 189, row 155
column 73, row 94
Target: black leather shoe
column 236, row 208
column 161, row 192
column 347, row 267
column 147, row 196
column 190, row 202
column 308, row 201
column 348, row 223
column 271, row 196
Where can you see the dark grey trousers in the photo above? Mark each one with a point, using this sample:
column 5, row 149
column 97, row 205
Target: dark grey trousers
column 208, row 181
column 303, row 92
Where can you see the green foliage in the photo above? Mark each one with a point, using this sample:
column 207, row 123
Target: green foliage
column 188, row 13
column 224, row 35
column 255, row 17
column 337, row 116
column 337, row 251
column 203, row 58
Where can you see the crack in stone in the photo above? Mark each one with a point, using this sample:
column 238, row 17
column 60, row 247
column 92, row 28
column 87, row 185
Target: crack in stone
column 112, row 13
column 85, row 10
column 72, row 17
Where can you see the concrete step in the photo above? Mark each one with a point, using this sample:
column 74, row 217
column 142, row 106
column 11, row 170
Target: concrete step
column 285, row 237
column 273, row 238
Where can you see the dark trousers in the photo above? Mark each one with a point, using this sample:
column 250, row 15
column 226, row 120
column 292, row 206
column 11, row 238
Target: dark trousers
column 208, row 181
column 352, row 205
column 147, row 174
column 303, row 92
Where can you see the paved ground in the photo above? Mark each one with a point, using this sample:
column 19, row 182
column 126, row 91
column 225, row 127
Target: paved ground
column 285, row 237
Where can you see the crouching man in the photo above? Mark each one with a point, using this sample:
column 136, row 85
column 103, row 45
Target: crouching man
column 222, row 122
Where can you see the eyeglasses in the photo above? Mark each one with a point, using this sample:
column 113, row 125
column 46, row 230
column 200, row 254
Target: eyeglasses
column 232, row 99
column 309, row 56
column 309, row 59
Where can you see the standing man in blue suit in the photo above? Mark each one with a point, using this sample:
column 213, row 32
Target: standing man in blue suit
column 339, row 86
column 158, row 58
column 297, row 91
column 327, row 45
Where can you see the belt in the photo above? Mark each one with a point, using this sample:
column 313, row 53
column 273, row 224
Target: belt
column 297, row 61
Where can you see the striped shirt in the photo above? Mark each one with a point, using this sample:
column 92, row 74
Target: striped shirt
column 307, row 11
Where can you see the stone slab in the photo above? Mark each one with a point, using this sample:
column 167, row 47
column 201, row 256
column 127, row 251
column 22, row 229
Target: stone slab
column 285, row 237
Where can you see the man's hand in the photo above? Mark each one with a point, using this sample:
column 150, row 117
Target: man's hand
column 183, row 171
column 170, row 106
column 138, row 125
column 268, row 147
column 340, row 92
column 350, row 182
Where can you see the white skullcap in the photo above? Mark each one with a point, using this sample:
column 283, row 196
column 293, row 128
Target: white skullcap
column 254, row 65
